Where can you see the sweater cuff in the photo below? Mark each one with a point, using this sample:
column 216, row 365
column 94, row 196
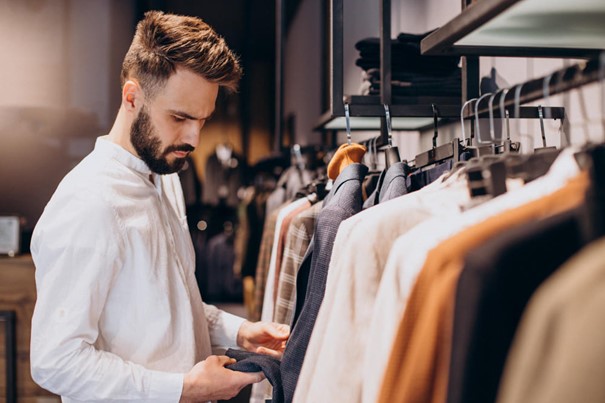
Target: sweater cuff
column 166, row 386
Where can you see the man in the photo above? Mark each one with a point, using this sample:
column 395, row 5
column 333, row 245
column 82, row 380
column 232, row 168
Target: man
column 119, row 315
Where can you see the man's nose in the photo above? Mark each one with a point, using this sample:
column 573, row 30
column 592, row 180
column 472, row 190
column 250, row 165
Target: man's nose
column 191, row 135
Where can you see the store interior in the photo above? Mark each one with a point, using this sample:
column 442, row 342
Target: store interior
column 312, row 68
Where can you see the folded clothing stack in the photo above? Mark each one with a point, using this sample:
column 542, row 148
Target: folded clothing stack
column 412, row 74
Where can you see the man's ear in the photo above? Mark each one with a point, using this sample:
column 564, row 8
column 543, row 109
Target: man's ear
column 132, row 95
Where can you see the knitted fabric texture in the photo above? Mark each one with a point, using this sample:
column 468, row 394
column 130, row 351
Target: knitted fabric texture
column 253, row 362
column 346, row 155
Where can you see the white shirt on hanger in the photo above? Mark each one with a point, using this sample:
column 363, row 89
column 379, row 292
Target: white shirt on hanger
column 360, row 251
column 119, row 315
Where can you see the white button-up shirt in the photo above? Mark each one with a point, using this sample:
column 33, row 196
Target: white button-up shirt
column 119, row 315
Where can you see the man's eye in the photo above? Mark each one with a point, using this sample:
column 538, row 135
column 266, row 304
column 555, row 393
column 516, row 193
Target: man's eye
column 178, row 118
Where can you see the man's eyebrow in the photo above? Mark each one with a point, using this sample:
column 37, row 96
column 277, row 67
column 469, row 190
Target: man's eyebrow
column 188, row 116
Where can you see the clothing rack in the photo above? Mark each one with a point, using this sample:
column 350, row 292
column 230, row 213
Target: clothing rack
column 560, row 81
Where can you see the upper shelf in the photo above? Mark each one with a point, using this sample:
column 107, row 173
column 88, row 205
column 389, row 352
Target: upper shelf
column 525, row 28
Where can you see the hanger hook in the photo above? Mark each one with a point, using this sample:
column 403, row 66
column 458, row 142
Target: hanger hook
column 374, row 152
column 435, row 122
column 490, row 108
column 387, row 115
column 541, row 116
column 462, row 117
column 348, row 123
column 582, row 101
column 517, row 107
column 479, row 141
column 504, row 113
column 546, row 92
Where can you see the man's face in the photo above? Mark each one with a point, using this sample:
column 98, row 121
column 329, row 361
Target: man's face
column 167, row 128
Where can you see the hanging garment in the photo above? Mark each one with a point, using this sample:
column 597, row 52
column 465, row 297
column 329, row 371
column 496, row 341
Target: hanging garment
column 223, row 180
column 285, row 229
column 297, row 242
column 344, row 202
column 255, row 213
column 409, row 253
column 360, row 252
column 419, row 179
column 418, row 367
column 251, row 362
column 264, row 258
column 394, row 184
column 371, row 182
column 391, row 184
column 270, row 281
column 290, row 182
column 496, row 283
column 557, row 353
column 372, row 199
column 192, row 186
column 223, row 284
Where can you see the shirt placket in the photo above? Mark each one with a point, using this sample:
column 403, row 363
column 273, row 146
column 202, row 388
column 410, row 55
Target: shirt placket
column 169, row 230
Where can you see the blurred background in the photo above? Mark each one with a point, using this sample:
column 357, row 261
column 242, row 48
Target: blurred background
column 60, row 63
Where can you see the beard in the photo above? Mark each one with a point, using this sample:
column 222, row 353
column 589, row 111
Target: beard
column 147, row 144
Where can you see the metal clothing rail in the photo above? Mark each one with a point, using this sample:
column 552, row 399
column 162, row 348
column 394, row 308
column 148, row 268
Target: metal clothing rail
column 560, row 81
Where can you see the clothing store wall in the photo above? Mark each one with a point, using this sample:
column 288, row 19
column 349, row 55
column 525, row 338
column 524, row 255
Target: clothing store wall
column 361, row 19
column 303, row 55
column 60, row 89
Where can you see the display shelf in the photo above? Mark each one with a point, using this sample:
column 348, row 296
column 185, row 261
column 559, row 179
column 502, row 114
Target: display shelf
column 408, row 113
column 367, row 112
column 523, row 28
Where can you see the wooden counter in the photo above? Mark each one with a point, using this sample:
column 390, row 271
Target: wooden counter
column 18, row 293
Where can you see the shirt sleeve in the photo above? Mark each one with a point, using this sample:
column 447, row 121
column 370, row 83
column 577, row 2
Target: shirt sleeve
column 223, row 327
column 77, row 250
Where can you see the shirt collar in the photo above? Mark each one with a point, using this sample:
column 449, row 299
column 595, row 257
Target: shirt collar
column 355, row 171
column 396, row 170
column 112, row 150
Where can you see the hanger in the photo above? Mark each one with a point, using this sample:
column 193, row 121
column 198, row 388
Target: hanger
column 528, row 166
column 297, row 157
column 347, row 153
column 348, row 123
column 391, row 154
column 541, row 115
column 486, row 174
column 505, row 116
column 438, row 153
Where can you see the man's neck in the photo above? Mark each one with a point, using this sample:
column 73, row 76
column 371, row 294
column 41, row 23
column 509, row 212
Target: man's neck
column 120, row 132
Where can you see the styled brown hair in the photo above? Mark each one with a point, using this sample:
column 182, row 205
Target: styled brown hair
column 164, row 41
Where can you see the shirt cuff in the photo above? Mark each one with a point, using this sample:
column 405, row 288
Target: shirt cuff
column 166, row 386
column 232, row 325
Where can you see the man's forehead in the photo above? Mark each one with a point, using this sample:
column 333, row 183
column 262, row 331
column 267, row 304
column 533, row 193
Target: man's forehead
column 189, row 93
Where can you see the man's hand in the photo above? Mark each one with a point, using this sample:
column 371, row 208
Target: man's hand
column 210, row 380
column 263, row 338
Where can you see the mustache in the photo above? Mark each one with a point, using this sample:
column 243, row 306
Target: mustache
column 181, row 147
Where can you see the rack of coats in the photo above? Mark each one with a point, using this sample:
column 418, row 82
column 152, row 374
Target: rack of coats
column 449, row 289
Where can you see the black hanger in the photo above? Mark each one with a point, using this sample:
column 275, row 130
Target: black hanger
column 438, row 153
column 391, row 154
